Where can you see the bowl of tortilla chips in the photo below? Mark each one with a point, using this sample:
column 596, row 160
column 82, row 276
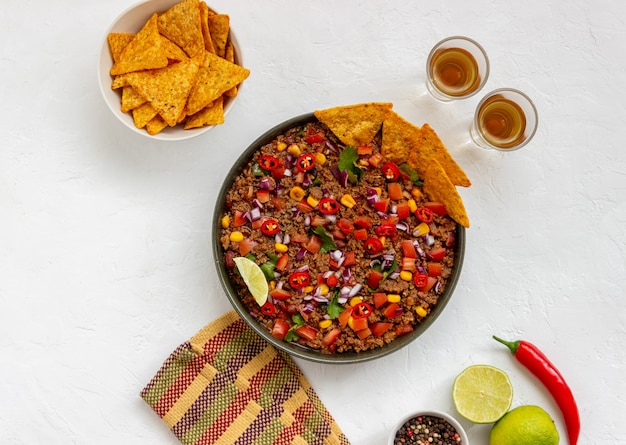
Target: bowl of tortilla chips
column 171, row 69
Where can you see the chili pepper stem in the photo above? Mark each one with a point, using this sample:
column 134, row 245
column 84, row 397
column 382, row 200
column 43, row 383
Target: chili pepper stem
column 512, row 345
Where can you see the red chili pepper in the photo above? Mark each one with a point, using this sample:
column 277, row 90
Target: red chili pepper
column 390, row 171
column 269, row 163
column 361, row 310
column 268, row 308
column 420, row 279
column 305, row 162
column 328, row 206
column 373, row 245
column 537, row 363
column 270, row 227
column 424, row 214
column 298, row 280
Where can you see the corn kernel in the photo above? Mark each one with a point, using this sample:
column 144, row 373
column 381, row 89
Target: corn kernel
column 355, row 300
column 312, row 201
column 325, row 324
column 324, row 289
column 225, row 221
column 416, row 192
column 421, row 311
column 236, row 237
column 393, row 298
column 294, row 150
column 281, row 146
column 281, row 248
column 309, row 289
column 382, row 240
column 348, row 201
column 412, row 205
column 421, row 229
column 378, row 190
column 406, row 275
column 297, row 193
column 320, row 158
column 272, row 284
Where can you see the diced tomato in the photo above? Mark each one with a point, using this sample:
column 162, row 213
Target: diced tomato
column 280, row 203
column 349, row 259
column 282, row 262
column 358, row 324
column 332, row 281
column 378, row 329
column 238, row 219
column 263, row 195
column 314, row 244
column 279, row 172
column 299, row 238
column 331, row 336
column 393, row 310
column 280, row 294
column 246, row 246
column 280, row 329
column 364, row 150
column 408, row 249
column 360, row 234
column 408, row 264
column 437, row 254
column 364, row 333
column 373, row 278
column 403, row 329
column 403, row 210
column 307, row 332
column 375, row 159
column 430, row 282
column 338, row 234
column 434, row 269
column 345, row 225
column 344, row 317
column 386, row 230
column 363, row 222
column 319, row 220
column 382, row 205
column 436, row 207
column 380, row 299
column 395, row 191
column 304, row 206
column 319, row 137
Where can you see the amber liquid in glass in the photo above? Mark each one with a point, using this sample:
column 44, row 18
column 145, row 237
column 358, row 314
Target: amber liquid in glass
column 454, row 71
column 502, row 122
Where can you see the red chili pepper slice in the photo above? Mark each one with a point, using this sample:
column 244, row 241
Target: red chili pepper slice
column 305, row 162
column 268, row 308
column 390, row 171
column 328, row 206
column 270, row 227
column 361, row 310
column 424, row 214
column 420, row 279
column 373, row 245
column 298, row 280
column 386, row 230
column 268, row 162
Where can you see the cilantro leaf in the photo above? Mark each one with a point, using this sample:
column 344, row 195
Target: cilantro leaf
column 298, row 321
column 328, row 243
column 334, row 308
column 411, row 173
column 348, row 162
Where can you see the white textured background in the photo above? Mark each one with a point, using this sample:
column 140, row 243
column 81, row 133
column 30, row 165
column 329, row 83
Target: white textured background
column 105, row 260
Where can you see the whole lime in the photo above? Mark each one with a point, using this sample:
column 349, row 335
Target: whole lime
column 525, row 425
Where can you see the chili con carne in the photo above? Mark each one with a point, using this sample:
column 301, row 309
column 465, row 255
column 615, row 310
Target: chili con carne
column 536, row 362
column 270, row 227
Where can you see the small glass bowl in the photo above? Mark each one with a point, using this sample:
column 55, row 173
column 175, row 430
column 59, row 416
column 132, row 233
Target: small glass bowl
column 432, row 413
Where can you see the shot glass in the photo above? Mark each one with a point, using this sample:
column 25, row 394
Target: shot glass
column 505, row 119
column 457, row 68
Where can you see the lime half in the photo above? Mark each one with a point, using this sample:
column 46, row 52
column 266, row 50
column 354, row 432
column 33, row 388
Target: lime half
column 482, row 393
column 253, row 277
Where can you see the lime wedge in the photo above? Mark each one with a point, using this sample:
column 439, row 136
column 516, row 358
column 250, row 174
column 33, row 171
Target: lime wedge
column 254, row 279
column 482, row 393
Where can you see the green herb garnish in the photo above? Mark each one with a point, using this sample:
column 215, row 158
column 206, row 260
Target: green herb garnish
column 328, row 243
column 334, row 308
column 297, row 322
column 348, row 162
column 411, row 173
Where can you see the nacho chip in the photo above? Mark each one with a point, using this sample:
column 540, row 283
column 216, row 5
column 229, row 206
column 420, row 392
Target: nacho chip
column 172, row 50
column 181, row 24
column 230, row 56
column 117, row 42
column 428, row 145
column 355, row 124
column 216, row 76
column 156, row 125
column 204, row 27
column 398, row 137
column 210, row 115
column 143, row 52
column 219, row 27
column 438, row 187
column 131, row 99
column 143, row 114
column 167, row 89
column 119, row 82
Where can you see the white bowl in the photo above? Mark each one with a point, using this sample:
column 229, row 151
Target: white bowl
column 132, row 21
column 447, row 417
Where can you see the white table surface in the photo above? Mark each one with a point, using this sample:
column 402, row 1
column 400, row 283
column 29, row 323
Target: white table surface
column 105, row 256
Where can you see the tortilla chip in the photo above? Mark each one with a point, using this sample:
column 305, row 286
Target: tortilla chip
column 399, row 135
column 117, row 42
column 438, row 187
column 131, row 99
column 204, row 27
column 355, row 124
column 156, row 124
column 143, row 52
column 119, row 82
column 181, row 24
column 143, row 114
column 219, row 26
column 230, row 56
column 167, row 89
column 172, row 50
column 216, row 76
column 428, row 145
column 210, row 115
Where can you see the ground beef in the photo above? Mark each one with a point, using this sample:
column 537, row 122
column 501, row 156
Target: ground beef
column 324, row 305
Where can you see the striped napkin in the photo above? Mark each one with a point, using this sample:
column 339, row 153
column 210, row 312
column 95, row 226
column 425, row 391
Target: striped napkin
column 227, row 385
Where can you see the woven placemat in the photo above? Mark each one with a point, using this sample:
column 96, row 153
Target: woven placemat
column 227, row 385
